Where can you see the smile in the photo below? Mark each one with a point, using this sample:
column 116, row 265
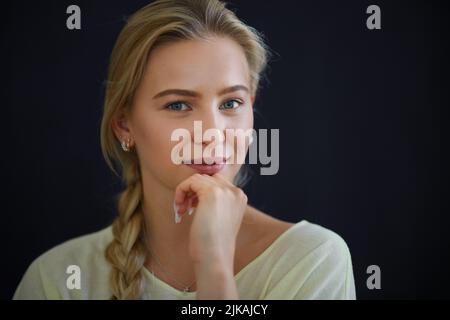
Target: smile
column 202, row 166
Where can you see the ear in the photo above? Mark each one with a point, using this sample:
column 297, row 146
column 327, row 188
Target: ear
column 253, row 100
column 121, row 127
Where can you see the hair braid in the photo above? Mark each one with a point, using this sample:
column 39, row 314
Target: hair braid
column 127, row 252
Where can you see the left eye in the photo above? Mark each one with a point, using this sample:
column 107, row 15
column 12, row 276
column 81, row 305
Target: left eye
column 177, row 106
column 230, row 105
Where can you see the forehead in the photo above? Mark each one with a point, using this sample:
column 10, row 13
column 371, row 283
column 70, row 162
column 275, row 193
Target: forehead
column 189, row 64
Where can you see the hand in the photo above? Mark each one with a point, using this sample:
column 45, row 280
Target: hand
column 220, row 207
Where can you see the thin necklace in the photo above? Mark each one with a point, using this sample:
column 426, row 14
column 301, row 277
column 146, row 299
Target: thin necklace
column 186, row 289
column 153, row 254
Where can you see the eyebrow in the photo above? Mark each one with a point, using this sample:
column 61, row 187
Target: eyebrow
column 189, row 93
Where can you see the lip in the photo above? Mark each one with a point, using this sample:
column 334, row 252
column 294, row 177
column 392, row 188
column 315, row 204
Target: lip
column 209, row 161
column 209, row 169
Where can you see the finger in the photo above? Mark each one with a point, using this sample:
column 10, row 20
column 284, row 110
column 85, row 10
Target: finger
column 194, row 201
column 191, row 206
column 194, row 184
column 223, row 180
column 216, row 179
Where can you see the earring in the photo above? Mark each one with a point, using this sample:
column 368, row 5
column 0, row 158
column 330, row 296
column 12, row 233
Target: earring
column 126, row 144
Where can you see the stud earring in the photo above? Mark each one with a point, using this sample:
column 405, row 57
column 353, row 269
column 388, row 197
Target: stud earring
column 126, row 144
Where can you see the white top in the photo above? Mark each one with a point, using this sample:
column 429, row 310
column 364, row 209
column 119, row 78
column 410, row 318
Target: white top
column 307, row 261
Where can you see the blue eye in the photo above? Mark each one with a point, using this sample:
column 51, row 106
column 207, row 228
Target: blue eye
column 229, row 106
column 176, row 106
column 181, row 106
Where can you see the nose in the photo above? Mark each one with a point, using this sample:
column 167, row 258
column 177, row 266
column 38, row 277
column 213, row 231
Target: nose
column 208, row 120
column 213, row 125
column 212, row 119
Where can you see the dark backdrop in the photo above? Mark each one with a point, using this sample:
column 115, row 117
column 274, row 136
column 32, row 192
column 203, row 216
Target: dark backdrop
column 362, row 117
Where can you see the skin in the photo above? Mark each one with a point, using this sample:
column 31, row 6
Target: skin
column 224, row 233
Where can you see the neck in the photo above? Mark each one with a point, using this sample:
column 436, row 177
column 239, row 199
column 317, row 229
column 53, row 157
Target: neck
column 163, row 235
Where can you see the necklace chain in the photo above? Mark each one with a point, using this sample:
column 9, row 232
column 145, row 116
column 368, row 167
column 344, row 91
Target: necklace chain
column 186, row 288
column 153, row 254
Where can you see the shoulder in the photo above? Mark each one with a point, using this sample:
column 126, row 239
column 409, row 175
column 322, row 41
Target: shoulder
column 82, row 250
column 305, row 261
column 303, row 236
column 79, row 248
column 314, row 262
column 46, row 277
column 311, row 237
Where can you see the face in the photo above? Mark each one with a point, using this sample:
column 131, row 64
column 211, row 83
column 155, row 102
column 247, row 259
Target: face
column 205, row 69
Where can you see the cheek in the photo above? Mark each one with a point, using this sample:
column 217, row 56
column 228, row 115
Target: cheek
column 245, row 120
column 153, row 142
column 243, row 123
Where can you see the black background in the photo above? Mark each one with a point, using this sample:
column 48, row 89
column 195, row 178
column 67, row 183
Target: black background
column 362, row 117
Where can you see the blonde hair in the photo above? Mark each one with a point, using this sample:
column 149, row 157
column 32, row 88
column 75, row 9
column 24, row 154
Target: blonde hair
column 160, row 22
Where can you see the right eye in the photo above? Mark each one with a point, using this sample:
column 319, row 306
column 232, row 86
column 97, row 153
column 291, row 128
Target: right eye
column 177, row 106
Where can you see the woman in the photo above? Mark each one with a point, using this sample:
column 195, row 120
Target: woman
column 185, row 231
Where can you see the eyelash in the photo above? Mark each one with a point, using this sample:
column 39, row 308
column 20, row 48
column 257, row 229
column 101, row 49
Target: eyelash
column 182, row 102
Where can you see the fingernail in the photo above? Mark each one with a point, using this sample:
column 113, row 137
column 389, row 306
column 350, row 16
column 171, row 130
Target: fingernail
column 177, row 215
column 190, row 211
